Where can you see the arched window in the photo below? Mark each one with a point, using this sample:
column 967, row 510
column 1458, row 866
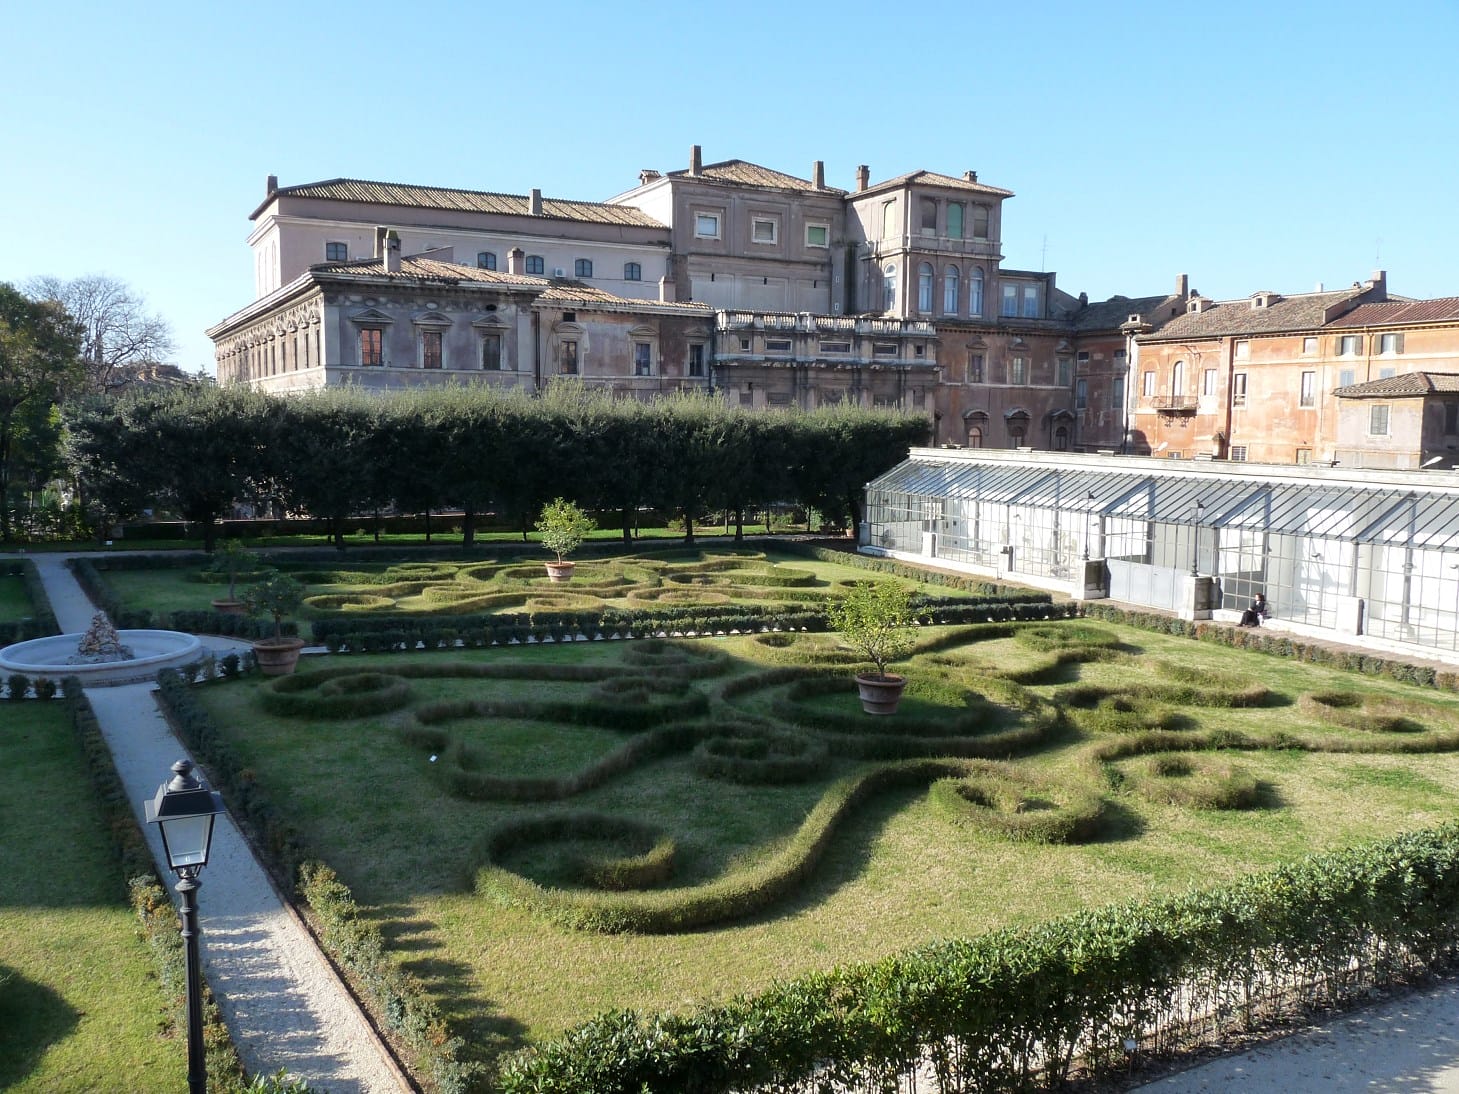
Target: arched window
column 975, row 292
column 924, row 287
column 889, row 287
column 1061, row 439
column 951, row 283
column 975, row 436
column 486, row 260
column 1177, row 378
column 1015, row 435
column 632, row 271
column 535, row 264
column 583, row 267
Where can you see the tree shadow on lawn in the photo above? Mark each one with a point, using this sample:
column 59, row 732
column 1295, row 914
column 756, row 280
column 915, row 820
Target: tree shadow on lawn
column 32, row 1019
column 487, row 1032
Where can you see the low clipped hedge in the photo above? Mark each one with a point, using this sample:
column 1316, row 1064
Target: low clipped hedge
column 335, row 695
column 1021, row 806
column 1021, row 1006
column 1194, row 781
column 734, row 896
column 760, row 756
column 90, row 576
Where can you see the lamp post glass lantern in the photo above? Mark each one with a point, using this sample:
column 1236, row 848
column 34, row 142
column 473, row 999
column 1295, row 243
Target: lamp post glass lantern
column 1196, row 536
column 184, row 810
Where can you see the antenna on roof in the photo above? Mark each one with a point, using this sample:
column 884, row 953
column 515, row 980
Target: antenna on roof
column 1044, row 256
column 1378, row 252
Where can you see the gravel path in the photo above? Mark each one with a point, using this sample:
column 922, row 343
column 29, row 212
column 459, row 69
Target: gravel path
column 283, row 1003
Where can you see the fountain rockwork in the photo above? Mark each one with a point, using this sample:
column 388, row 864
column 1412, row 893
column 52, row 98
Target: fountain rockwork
column 101, row 656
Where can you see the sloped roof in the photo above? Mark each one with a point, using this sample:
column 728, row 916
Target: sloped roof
column 933, row 178
column 1305, row 311
column 467, row 201
column 578, row 292
column 744, row 173
column 430, row 269
column 1407, row 385
column 1110, row 314
column 1395, row 312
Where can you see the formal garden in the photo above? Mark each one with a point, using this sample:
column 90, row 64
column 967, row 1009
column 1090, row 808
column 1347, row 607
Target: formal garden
column 636, row 827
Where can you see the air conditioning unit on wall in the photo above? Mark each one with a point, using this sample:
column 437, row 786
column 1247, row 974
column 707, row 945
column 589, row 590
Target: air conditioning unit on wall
column 558, row 271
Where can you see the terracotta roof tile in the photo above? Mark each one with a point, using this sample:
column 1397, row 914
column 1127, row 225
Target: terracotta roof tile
column 469, row 201
column 1226, row 317
column 1395, row 312
column 1110, row 314
column 744, row 173
column 1408, row 384
column 933, row 178
column 430, row 269
column 579, row 292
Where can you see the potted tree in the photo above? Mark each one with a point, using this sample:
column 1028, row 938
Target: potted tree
column 276, row 595
column 876, row 618
column 563, row 527
column 234, row 560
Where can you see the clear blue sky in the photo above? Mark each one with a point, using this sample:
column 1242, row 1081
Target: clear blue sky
column 1253, row 145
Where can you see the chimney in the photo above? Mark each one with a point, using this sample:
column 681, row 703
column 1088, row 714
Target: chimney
column 647, row 175
column 696, row 162
column 392, row 251
column 273, row 183
column 970, row 176
column 380, row 231
column 666, row 290
column 1182, row 285
column 1379, row 284
column 516, row 261
column 818, row 175
column 534, row 203
column 863, row 177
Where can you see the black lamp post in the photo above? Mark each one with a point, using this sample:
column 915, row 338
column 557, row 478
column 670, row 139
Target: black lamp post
column 1196, row 536
column 184, row 809
column 1088, row 513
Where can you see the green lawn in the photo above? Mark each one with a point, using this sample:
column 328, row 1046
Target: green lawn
column 899, row 871
column 14, row 599
column 81, row 1008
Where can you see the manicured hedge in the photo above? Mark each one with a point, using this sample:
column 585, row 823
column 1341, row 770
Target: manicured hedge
column 1018, row 1007
column 89, row 574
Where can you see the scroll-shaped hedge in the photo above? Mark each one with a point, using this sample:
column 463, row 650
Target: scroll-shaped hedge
column 347, row 694
column 1194, row 781
column 649, row 861
column 1020, row 805
column 757, row 755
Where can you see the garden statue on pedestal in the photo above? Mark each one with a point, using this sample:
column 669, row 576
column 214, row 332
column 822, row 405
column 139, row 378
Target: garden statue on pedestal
column 563, row 527
column 876, row 618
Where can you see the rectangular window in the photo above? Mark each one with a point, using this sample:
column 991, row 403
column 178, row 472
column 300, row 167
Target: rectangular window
column 1304, row 455
column 764, row 230
column 777, row 345
column 1309, row 389
column 744, row 344
column 632, row 271
column 1387, row 373
column 696, row 359
column 884, row 349
column 1347, row 377
column 980, row 222
column 336, row 252
column 486, row 260
column 536, row 264
column 1378, row 421
column 1010, row 300
column 975, row 368
column 706, row 225
column 817, row 235
column 1243, row 350
column 1309, row 344
column 491, row 352
column 888, row 218
column 1117, row 393
column 1018, row 373
column 1147, row 383
column 919, row 398
column 1082, row 357
column 1081, row 394
column 372, row 346
column 1030, row 301
column 642, row 359
column 1238, row 389
column 1063, row 371
column 430, row 349
column 1451, row 419
column 569, row 360
column 929, row 217
column 1208, row 382
column 1238, row 453
column 835, row 347
column 954, row 220
column 1347, row 345
column 1390, row 343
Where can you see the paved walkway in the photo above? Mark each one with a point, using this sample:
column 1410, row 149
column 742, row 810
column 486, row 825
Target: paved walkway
column 283, row 1003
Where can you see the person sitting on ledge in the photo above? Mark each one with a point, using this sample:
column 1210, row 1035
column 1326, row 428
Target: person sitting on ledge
column 1257, row 613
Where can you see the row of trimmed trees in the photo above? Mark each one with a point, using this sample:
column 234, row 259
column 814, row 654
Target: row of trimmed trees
column 340, row 453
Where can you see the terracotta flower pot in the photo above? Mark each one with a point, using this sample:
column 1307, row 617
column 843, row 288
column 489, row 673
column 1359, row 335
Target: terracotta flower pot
column 277, row 657
column 560, row 571
column 880, row 694
column 225, row 606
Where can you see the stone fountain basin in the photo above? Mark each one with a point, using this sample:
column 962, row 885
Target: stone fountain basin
column 154, row 651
